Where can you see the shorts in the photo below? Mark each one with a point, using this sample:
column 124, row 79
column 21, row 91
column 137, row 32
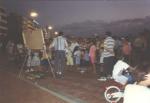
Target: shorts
column 77, row 60
column 121, row 79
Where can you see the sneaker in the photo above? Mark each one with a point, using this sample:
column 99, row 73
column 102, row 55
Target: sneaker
column 102, row 79
column 31, row 69
column 82, row 71
column 58, row 73
column 109, row 77
column 27, row 71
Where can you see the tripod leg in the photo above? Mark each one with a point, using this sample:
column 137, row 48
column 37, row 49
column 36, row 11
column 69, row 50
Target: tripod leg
column 23, row 66
column 52, row 69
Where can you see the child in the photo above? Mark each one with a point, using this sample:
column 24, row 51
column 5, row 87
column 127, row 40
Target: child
column 29, row 58
column 19, row 53
column 84, row 60
column 86, row 57
column 35, row 60
column 44, row 60
column 102, row 75
column 77, row 55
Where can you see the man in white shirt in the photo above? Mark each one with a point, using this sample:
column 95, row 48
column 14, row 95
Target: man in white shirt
column 108, row 54
column 60, row 44
column 118, row 70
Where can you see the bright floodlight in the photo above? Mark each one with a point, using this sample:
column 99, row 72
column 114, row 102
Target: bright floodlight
column 50, row 27
column 33, row 14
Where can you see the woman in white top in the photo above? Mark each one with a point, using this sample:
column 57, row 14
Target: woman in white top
column 139, row 92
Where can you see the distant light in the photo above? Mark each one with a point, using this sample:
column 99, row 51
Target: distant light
column 33, row 14
column 56, row 33
column 50, row 27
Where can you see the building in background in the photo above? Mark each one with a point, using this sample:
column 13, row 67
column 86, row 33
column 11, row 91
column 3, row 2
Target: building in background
column 15, row 27
column 17, row 24
column 3, row 22
column 3, row 28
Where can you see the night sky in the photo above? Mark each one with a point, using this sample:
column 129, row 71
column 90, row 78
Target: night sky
column 60, row 12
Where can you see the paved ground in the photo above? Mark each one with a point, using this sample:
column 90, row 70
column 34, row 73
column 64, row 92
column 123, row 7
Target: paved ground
column 13, row 90
column 80, row 88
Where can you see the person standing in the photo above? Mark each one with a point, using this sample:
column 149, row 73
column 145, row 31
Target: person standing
column 60, row 44
column 126, row 50
column 108, row 54
column 92, row 55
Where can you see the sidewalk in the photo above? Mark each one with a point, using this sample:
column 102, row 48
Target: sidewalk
column 13, row 90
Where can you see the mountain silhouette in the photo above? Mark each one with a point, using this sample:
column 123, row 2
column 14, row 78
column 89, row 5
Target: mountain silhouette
column 129, row 27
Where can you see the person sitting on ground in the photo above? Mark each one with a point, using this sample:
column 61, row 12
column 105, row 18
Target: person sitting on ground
column 120, row 74
column 140, row 91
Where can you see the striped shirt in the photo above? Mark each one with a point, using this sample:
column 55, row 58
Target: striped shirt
column 109, row 44
column 59, row 43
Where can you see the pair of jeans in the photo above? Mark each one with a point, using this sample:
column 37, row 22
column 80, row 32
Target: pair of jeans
column 59, row 61
column 109, row 63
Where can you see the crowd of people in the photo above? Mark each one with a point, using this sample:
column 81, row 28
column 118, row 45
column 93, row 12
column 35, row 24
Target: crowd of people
column 100, row 54
column 96, row 54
